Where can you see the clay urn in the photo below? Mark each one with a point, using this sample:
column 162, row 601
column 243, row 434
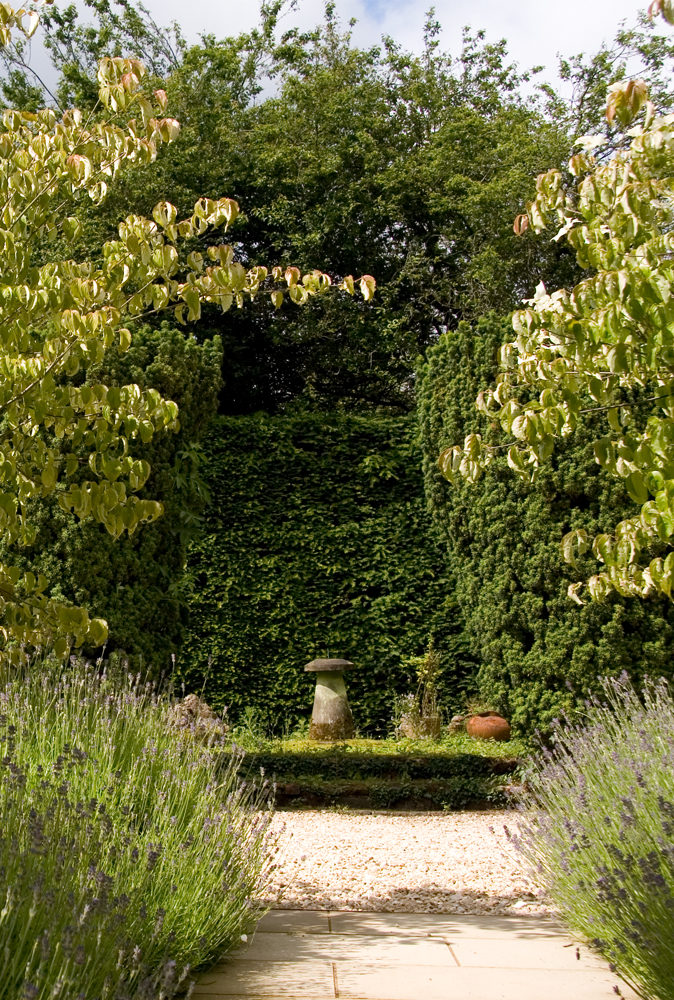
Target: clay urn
column 488, row 726
column 331, row 717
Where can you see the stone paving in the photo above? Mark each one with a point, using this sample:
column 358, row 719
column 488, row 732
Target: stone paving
column 321, row 955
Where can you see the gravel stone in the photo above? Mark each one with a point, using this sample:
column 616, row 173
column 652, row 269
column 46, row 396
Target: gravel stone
column 455, row 862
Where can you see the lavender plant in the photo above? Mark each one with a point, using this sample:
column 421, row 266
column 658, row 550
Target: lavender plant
column 126, row 857
column 599, row 830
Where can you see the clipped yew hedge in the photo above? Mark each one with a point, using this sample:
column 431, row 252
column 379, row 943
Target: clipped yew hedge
column 539, row 652
column 316, row 543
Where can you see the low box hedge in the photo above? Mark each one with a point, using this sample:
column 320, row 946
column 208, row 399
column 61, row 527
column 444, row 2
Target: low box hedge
column 346, row 774
column 460, row 792
column 361, row 767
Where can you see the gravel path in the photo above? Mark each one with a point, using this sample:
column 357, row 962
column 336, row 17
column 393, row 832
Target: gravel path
column 458, row 862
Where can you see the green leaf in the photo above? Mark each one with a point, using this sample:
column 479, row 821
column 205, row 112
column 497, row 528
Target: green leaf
column 61, row 647
column 114, row 397
column 49, row 476
column 604, row 452
column 516, row 462
column 636, row 487
column 97, row 632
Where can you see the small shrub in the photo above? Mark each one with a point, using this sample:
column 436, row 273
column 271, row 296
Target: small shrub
column 125, row 861
column 601, row 837
column 418, row 715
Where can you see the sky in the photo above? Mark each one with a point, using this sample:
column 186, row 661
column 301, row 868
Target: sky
column 536, row 30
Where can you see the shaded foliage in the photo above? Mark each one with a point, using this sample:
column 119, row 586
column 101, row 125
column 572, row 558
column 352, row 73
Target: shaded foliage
column 135, row 582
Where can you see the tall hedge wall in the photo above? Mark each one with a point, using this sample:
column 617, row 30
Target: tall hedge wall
column 503, row 541
column 316, row 544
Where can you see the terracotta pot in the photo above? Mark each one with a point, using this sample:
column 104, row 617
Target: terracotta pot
column 488, row 726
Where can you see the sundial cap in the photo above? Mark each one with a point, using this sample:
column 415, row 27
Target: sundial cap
column 325, row 666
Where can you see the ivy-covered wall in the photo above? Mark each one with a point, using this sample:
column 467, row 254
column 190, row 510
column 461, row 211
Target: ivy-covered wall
column 503, row 540
column 316, row 543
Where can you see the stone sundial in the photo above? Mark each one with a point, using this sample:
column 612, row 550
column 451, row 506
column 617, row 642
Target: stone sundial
column 331, row 718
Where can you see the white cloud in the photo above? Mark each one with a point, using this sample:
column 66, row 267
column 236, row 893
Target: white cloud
column 536, row 30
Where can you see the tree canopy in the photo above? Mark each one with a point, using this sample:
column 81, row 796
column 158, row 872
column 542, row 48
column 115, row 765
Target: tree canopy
column 605, row 346
column 409, row 167
column 59, row 315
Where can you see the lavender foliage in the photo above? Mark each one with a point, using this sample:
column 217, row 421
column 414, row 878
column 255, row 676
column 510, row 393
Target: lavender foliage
column 127, row 858
column 598, row 830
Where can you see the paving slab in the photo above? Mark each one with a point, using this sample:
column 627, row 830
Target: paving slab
column 302, row 980
column 367, row 949
column 291, row 921
column 516, row 953
column 444, row 925
column 320, row 955
column 422, row 983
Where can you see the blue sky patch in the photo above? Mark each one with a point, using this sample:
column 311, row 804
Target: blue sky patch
column 378, row 8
